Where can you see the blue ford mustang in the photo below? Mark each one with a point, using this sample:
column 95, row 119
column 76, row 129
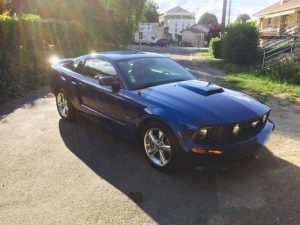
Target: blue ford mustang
column 151, row 99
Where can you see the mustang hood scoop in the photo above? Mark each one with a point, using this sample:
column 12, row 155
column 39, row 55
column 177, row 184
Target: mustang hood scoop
column 202, row 88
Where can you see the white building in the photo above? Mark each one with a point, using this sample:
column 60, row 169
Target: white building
column 176, row 20
column 150, row 31
column 195, row 36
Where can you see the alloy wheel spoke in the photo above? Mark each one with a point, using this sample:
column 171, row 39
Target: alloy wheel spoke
column 66, row 111
column 60, row 105
column 166, row 148
column 152, row 151
column 161, row 137
column 162, row 157
column 153, row 139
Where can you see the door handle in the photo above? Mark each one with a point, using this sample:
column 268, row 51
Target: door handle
column 82, row 84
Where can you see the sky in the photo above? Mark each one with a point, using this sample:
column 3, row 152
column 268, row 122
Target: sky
column 215, row 6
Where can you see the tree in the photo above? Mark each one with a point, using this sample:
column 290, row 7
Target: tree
column 151, row 12
column 113, row 20
column 214, row 32
column 12, row 6
column 5, row 5
column 242, row 18
column 208, row 19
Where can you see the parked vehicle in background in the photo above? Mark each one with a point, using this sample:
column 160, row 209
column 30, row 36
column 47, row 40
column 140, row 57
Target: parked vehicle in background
column 162, row 42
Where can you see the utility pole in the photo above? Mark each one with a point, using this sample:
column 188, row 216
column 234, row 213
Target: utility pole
column 229, row 12
column 223, row 18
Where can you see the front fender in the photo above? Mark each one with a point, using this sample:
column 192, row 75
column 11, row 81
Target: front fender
column 176, row 121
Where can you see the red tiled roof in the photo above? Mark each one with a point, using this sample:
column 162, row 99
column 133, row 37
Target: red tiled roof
column 278, row 6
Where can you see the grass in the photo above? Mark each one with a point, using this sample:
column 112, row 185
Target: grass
column 262, row 85
column 251, row 79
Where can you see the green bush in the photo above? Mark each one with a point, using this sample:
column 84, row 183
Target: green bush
column 26, row 42
column 215, row 48
column 286, row 69
column 240, row 45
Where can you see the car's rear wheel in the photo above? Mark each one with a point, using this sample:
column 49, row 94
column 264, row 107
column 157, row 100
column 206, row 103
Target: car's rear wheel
column 161, row 147
column 64, row 106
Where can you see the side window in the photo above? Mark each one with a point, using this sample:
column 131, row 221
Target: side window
column 73, row 65
column 97, row 68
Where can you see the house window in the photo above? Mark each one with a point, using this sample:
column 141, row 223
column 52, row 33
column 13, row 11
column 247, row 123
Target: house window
column 175, row 29
column 283, row 20
column 269, row 21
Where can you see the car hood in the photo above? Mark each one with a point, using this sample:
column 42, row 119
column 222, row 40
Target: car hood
column 208, row 103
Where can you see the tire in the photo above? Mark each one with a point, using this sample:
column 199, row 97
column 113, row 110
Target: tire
column 64, row 106
column 166, row 154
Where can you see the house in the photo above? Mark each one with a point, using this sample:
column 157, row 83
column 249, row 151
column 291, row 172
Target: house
column 278, row 17
column 176, row 20
column 195, row 36
column 149, row 31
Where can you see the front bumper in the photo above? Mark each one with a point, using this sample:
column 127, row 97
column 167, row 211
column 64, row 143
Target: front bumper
column 230, row 152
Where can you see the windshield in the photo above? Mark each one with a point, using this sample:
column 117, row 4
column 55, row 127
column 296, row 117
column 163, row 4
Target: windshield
column 147, row 72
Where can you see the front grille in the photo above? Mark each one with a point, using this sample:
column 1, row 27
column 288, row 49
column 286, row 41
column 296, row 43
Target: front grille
column 224, row 133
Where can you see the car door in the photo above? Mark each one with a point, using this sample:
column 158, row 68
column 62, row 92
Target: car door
column 74, row 70
column 101, row 100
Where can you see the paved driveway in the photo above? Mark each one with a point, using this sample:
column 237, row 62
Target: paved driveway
column 55, row 172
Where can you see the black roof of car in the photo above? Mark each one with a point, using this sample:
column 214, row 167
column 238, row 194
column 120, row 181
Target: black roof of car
column 122, row 55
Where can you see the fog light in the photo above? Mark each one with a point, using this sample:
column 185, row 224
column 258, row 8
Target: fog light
column 203, row 132
column 253, row 124
column 264, row 119
column 236, row 129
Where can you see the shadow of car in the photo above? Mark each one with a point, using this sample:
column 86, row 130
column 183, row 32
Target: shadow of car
column 187, row 197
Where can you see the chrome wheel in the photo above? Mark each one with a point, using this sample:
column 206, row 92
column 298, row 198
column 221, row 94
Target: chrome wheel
column 62, row 105
column 157, row 147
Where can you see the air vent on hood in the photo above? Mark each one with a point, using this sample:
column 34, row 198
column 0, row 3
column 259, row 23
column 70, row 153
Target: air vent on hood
column 202, row 88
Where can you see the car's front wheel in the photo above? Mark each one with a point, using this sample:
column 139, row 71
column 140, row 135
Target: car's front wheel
column 161, row 147
column 64, row 106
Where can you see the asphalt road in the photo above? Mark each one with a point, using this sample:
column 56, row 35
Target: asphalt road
column 56, row 172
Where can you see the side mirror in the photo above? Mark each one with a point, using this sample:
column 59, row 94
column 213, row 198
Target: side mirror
column 110, row 81
column 187, row 69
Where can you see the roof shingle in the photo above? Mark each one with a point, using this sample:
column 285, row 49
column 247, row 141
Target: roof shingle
column 278, row 6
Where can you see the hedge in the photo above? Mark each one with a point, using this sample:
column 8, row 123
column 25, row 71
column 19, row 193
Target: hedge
column 26, row 44
column 215, row 48
column 240, row 45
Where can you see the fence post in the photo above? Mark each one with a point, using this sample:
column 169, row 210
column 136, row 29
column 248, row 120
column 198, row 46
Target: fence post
column 263, row 64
